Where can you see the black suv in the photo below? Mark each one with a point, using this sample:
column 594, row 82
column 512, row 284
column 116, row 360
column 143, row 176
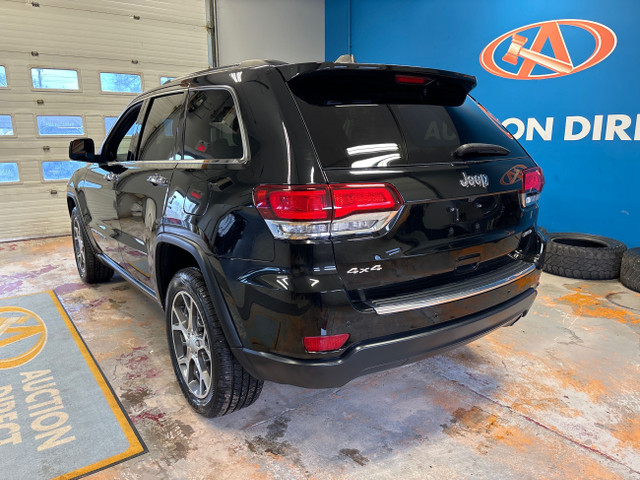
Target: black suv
column 309, row 223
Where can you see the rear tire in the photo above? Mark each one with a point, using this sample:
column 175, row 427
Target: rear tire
column 630, row 269
column 90, row 268
column 209, row 376
column 584, row 256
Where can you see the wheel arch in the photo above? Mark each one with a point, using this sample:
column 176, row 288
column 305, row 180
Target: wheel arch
column 71, row 202
column 173, row 253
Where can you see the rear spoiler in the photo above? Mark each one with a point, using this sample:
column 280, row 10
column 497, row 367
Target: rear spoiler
column 333, row 83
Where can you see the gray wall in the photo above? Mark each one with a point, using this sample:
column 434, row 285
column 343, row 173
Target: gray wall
column 289, row 30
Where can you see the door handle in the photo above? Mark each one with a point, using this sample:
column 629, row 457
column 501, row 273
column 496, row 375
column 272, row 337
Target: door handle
column 110, row 177
column 157, row 179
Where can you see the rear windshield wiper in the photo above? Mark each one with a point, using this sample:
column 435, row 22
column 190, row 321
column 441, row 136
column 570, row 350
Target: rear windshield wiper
column 479, row 150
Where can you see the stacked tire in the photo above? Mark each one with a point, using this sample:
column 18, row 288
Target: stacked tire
column 630, row 269
column 584, row 256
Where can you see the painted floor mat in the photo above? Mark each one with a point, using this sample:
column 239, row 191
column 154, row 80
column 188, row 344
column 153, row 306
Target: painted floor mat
column 59, row 418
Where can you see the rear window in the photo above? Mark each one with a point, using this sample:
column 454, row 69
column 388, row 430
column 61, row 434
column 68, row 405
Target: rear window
column 368, row 136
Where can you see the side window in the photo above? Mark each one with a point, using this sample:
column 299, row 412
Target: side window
column 118, row 146
column 212, row 128
column 158, row 141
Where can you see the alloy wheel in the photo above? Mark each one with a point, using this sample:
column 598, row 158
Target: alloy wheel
column 191, row 345
column 78, row 243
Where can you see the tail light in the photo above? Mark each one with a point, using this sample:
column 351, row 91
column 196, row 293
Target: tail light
column 532, row 184
column 315, row 211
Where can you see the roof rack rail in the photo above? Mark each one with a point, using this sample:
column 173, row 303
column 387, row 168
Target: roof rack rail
column 257, row 62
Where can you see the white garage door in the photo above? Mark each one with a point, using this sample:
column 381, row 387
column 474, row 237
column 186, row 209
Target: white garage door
column 67, row 68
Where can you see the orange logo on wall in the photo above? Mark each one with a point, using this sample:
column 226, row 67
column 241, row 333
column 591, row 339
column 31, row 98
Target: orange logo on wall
column 22, row 336
column 526, row 44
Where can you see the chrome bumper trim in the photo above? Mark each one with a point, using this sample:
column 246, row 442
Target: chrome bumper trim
column 454, row 291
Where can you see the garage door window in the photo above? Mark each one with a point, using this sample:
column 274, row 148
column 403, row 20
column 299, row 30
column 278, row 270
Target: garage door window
column 109, row 122
column 54, row 79
column 6, row 125
column 60, row 125
column 120, row 82
column 3, row 76
column 61, row 170
column 9, row 172
column 164, row 80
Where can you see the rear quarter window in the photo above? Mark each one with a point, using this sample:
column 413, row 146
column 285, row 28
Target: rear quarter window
column 212, row 127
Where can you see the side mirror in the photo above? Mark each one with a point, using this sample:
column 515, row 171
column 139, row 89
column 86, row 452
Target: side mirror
column 83, row 150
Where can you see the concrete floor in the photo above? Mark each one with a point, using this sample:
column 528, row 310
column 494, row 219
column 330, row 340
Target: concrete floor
column 557, row 396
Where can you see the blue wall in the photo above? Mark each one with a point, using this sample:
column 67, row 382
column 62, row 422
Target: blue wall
column 592, row 184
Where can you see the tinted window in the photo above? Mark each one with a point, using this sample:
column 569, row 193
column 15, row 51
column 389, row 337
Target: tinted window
column 3, row 76
column 119, row 142
column 212, row 129
column 54, row 79
column 159, row 133
column 366, row 136
column 120, row 82
column 61, row 170
column 60, row 125
column 6, row 125
column 356, row 136
column 9, row 172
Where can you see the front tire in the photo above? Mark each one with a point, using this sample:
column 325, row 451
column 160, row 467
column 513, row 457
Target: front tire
column 90, row 268
column 209, row 376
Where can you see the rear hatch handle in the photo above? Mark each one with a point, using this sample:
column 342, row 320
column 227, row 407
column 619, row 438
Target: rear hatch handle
column 479, row 149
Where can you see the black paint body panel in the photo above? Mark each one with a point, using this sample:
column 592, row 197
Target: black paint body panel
column 272, row 293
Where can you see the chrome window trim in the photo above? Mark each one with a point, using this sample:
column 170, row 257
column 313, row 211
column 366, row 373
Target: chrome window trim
column 142, row 100
column 246, row 156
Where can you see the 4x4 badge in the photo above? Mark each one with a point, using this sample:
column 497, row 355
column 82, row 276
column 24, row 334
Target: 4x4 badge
column 375, row 268
column 474, row 180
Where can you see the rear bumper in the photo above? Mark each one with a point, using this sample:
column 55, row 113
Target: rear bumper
column 383, row 353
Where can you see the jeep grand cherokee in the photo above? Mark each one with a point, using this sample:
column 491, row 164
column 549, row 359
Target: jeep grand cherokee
column 309, row 223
